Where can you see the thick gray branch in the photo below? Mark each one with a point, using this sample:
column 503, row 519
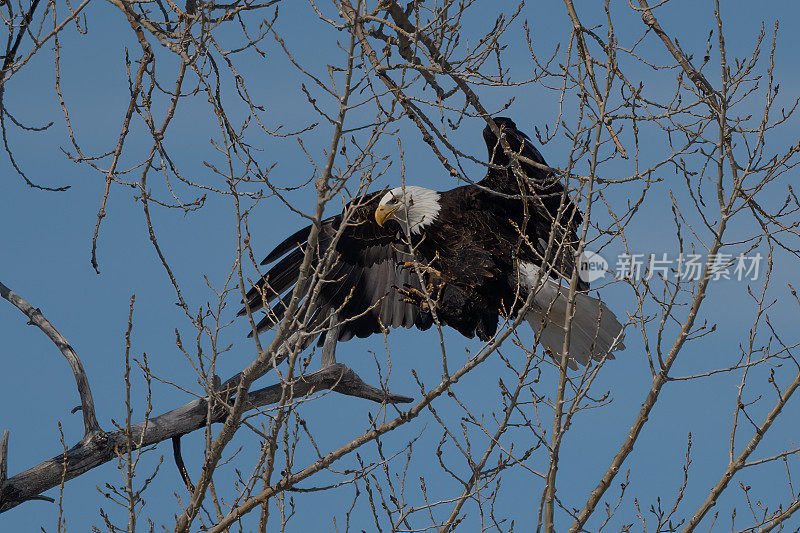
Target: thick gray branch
column 98, row 448
column 37, row 319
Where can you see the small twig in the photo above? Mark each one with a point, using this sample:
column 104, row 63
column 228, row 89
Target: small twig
column 147, row 57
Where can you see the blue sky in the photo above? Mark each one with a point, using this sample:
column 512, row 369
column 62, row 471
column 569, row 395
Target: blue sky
column 47, row 242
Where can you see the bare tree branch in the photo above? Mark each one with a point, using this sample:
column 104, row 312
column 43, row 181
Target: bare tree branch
column 90, row 424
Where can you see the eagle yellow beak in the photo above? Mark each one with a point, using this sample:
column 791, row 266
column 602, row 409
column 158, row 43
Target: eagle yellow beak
column 382, row 213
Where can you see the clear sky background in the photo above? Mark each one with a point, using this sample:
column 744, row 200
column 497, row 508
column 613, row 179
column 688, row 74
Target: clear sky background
column 46, row 244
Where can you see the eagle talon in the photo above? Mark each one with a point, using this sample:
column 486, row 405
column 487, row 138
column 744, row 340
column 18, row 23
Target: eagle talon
column 414, row 296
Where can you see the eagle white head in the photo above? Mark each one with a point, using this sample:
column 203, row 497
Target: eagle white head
column 411, row 206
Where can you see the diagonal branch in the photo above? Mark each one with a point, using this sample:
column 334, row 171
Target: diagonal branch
column 408, row 105
column 698, row 79
column 778, row 520
column 741, row 461
column 91, row 427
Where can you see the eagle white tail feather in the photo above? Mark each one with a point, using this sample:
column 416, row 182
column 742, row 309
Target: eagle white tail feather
column 595, row 330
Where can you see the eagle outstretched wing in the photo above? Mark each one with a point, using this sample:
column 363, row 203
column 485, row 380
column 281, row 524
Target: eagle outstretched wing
column 362, row 283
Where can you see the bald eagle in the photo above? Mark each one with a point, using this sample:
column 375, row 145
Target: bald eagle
column 479, row 250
